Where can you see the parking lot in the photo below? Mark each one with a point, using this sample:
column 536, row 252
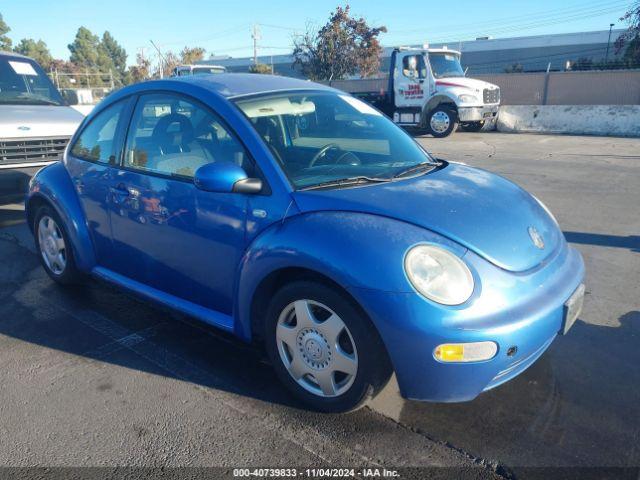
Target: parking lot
column 92, row 376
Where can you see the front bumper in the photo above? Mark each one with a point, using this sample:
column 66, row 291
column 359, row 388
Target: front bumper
column 523, row 310
column 477, row 114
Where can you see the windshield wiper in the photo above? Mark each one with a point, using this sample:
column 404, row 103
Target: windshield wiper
column 349, row 181
column 416, row 168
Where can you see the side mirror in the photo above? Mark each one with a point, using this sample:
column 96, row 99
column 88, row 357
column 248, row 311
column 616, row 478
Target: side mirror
column 225, row 177
column 70, row 96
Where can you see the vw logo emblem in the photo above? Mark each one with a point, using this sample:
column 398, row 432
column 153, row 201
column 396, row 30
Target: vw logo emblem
column 24, row 129
column 536, row 238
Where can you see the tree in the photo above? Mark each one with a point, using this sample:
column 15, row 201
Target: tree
column 84, row 49
column 140, row 71
column 167, row 63
column 631, row 38
column 113, row 57
column 5, row 42
column 344, row 46
column 192, row 55
column 36, row 50
column 260, row 68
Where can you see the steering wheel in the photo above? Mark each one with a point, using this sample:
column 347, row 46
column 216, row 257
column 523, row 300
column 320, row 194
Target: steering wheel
column 333, row 146
column 164, row 138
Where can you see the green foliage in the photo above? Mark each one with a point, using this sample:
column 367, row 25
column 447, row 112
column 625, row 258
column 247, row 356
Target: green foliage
column 343, row 46
column 37, row 50
column 112, row 57
column 5, row 41
column 84, row 49
column 260, row 68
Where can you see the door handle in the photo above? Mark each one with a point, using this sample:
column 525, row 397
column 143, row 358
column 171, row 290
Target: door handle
column 119, row 193
column 121, row 189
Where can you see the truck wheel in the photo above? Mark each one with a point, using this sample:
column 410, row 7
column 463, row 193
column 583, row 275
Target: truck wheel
column 472, row 126
column 323, row 348
column 442, row 121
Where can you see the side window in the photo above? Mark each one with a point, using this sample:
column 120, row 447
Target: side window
column 413, row 66
column 97, row 141
column 173, row 136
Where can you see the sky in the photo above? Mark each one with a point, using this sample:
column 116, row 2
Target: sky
column 224, row 27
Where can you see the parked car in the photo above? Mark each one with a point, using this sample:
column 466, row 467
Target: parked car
column 201, row 69
column 295, row 215
column 427, row 89
column 35, row 122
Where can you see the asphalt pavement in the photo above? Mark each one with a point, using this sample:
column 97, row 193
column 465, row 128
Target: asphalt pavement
column 94, row 377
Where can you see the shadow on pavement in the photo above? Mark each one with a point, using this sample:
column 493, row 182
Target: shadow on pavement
column 632, row 242
column 578, row 405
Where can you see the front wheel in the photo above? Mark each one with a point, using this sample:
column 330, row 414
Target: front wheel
column 472, row 126
column 324, row 350
column 442, row 121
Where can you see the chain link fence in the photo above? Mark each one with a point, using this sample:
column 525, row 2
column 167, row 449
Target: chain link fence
column 616, row 87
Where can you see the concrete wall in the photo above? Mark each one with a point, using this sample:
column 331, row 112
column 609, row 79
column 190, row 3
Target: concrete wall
column 606, row 120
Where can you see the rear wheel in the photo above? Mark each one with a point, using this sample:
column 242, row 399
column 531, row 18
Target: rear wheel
column 324, row 350
column 442, row 121
column 472, row 126
column 54, row 247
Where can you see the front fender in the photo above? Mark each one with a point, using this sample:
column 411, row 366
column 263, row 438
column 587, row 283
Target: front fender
column 355, row 250
column 53, row 185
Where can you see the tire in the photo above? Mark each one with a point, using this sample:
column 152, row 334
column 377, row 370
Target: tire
column 54, row 247
column 351, row 367
column 472, row 126
column 442, row 121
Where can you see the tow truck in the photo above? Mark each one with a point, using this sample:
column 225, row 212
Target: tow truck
column 427, row 90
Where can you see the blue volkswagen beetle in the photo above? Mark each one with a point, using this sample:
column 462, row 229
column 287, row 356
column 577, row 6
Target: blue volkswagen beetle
column 297, row 216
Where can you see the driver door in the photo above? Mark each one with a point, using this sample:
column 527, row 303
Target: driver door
column 168, row 234
column 409, row 83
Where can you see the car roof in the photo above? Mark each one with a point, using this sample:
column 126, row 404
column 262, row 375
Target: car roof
column 4, row 53
column 240, row 84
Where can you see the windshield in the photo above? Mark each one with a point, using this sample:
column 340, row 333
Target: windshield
column 445, row 65
column 205, row 70
column 22, row 82
column 322, row 137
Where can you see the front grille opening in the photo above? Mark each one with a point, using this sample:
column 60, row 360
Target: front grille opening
column 491, row 95
column 31, row 150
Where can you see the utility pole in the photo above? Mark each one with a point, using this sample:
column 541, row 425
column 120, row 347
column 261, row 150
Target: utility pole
column 142, row 59
column 255, row 35
column 606, row 57
column 161, row 58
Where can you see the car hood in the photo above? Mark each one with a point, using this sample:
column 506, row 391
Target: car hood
column 464, row 82
column 479, row 210
column 25, row 121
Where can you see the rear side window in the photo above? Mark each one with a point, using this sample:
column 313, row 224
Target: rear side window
column 97, row 143
column 172, row 136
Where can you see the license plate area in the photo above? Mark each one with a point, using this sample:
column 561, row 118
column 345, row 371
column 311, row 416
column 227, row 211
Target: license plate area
column 572, row 309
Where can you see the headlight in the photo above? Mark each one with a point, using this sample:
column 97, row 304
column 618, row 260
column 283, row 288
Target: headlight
column 546, row 209
column 468, row 99
column 438, row 274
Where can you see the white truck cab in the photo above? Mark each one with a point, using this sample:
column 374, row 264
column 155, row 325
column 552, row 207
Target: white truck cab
column 182, row 70
column 36, row 123
column 427, row 89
